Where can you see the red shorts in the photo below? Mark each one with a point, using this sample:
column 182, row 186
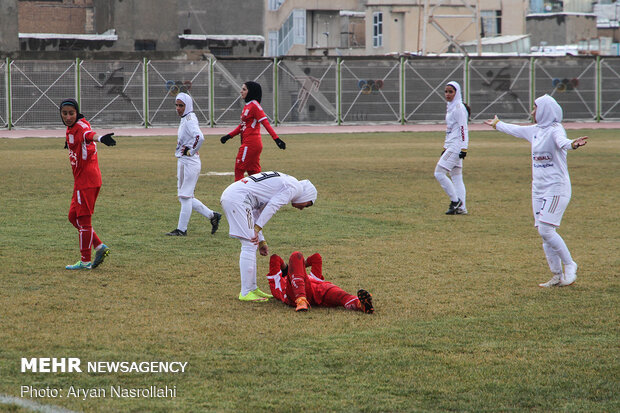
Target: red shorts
column 248, row 159
column 83, row 201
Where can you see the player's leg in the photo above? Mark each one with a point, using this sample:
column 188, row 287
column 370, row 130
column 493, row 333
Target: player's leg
column 315, row 262
column 456, row 174
column 247, row 269
column 187, row 176
column 82, row 208
column 549, row 218
column 442, row 169
column 298, row 279
column 240, row 162
column 276, row 264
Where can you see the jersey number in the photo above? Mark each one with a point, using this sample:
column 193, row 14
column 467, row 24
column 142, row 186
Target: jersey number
column 263, row 175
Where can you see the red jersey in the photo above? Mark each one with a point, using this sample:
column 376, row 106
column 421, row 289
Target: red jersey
column 252, row 117
column 83, row 155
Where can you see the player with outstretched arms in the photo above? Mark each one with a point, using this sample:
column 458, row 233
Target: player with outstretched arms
column 551, row 186
column 252, row 117
column 189, row 142
column 248, row 205
column 80, row 141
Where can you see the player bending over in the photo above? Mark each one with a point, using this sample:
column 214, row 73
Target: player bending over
column 292, row 285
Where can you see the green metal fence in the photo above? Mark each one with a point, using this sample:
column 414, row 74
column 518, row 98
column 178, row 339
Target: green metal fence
column 307, row 90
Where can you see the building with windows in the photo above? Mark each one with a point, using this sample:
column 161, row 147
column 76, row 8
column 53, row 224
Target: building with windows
column 376, row 27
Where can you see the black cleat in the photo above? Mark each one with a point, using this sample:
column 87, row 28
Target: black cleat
column 366, row 301
column 215, row 222
column 453, row 207
column 177, row 233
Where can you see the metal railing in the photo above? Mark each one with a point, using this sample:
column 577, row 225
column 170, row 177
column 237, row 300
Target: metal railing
column 306, row 90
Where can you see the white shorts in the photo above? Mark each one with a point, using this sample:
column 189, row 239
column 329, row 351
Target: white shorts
column 549, row 209
column 239, row 215
column 187, row 177
column 450, row 160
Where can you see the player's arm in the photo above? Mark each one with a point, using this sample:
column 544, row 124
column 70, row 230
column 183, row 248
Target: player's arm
column 231, row 135
column 197, row 138
column 275, row 203
column 463, row 132
column 518, row 131
column 265, row 122
column 106, row 139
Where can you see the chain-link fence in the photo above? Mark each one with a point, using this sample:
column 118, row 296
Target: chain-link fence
column 308, row 90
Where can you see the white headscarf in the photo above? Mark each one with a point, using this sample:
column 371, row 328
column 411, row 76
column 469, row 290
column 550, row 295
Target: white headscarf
column 548, row 111
column 187, row 99
column 308, row 193
column 458, row 97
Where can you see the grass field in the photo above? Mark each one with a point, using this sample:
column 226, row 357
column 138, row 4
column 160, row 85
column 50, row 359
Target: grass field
column 460, row 324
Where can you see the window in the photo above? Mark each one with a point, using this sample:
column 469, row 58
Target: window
column 273, row 44
column 377, row 29
column 142, row 45
column 275, row 4
column 490, row 23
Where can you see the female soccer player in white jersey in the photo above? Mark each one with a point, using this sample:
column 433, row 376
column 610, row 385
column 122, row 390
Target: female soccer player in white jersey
column 248, row 205
column 190, row 139
column 551, row 187
column 454, row 150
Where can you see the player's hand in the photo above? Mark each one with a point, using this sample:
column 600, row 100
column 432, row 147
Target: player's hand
column 442, row 152
column 66, row 146
column 280, row 143
column 186, row 151
column 224, row 138
column 107, row 139
column 581, row 141
column 263, row 249
column 254, row 239
column 463, row 154
column 492, row 122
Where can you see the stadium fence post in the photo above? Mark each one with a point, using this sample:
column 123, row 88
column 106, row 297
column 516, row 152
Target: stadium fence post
column 402, row 90
column 9, row 98
column 78, row 91
column 145, row 92
column 338, row 92
column 532, row 83
column 599, row 90
column 275, row 91
column 466, row 64
column 211, row 92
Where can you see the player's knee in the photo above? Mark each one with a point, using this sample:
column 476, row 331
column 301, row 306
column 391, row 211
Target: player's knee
column 546, row 231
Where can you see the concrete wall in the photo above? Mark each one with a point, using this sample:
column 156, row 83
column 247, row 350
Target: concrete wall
column 220, row 16
column 75, row 17
column 146, row 20
column 9, row 40
column 560, row 28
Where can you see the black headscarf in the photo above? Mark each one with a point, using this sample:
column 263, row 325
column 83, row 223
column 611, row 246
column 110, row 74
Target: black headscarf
column 254, row 92
column 71, row 102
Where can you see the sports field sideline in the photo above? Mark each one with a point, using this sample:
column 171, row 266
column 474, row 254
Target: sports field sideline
column 288, row 130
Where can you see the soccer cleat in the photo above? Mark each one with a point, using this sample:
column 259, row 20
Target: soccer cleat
column 100, row 255
column 259, row 293
column 177, row 233
column 555, row 280
column 454, row 205
column 215, row 222
column 80, row 265
column 252, row 296
column 302, row 304
column 461, row 211
column 365, row 301
column 570, row 274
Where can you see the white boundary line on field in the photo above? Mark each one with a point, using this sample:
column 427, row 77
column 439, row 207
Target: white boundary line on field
column 28, row 404
column 213, row 173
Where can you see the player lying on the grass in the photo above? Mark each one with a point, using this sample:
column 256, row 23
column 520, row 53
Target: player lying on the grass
column 189, row 142
column 80, row 140
column 292, row 285
column 249, row 204
column 551, row 187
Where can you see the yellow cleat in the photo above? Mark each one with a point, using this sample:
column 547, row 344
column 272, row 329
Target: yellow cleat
column 252, row 296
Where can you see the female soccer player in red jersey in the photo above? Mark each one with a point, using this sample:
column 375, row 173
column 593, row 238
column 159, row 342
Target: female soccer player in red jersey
column 80, row 140
column 252, row 116
column 292, row 285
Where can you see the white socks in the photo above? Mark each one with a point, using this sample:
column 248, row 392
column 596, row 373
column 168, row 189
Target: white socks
column 555, row 243
column 201, row 208
column 553, row 259
column 187, row 205
column 446, row 183
column 247, row 266
column 459, row 185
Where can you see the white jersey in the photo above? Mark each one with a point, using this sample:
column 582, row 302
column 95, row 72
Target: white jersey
column 549, row 147
column 264, row 192
column 189, row 136
column 457, row 133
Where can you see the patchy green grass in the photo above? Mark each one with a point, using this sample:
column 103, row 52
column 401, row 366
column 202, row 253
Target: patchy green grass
column 460, row 324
